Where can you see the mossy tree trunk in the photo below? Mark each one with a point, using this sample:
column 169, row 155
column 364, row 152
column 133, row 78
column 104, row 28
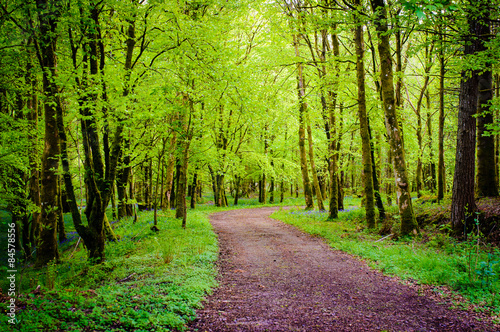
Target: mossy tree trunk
column 376, row 185
column 183, row 144
column 407, row 216
column 34, row 179
column 47, row 249
column 363, row 123
column 100, row 173
column 302, row 133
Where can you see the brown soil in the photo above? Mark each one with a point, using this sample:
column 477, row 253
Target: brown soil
column 275, row 278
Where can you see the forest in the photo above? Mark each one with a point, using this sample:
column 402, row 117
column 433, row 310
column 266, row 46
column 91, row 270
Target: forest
column 125, row 124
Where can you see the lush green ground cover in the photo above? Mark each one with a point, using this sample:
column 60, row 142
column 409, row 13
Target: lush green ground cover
column 431, row 258
column 156, row 280
column 149, row 280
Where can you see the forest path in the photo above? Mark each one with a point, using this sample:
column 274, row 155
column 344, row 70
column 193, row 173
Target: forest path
column 275, row 278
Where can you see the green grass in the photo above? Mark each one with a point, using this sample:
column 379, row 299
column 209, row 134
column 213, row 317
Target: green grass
column 431, row 258
column 149, row 281
column 156, row 281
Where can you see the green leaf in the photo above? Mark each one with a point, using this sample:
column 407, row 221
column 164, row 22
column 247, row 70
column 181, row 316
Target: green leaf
column 420, row 13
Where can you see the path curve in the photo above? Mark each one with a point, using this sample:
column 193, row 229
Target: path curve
column 275, row 278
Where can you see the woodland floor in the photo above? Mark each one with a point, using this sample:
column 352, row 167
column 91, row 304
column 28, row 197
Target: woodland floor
column 272, row 277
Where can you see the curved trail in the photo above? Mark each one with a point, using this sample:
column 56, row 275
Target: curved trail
column 276, row 278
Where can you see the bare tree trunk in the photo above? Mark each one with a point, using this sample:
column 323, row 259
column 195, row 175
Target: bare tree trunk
column 431, row 166
column 60, row 216
column 463, row 205
column 319, row 196
column 194, row 190
column 485, row 143
column 170, row 170
column 441, row 171
column 497, row 137
column 237, row 181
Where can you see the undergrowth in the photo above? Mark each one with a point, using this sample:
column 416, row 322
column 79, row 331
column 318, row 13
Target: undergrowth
column 149, row 281
column 469, row 268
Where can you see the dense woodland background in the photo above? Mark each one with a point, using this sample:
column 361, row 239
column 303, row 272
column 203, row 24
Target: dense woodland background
column 128, row 105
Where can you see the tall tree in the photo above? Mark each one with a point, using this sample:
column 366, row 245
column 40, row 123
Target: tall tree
column 302, row 136
column 408, row 221
column 485, row 141
column 441, row 117
column 48, row 17
column 463, row 204
column 363, row 121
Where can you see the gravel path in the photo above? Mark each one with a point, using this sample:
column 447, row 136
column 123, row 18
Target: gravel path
column 275, row 278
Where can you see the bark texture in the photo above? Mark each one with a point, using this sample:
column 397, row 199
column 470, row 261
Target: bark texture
column 302, row 133
column 47, row 249
column 441, row 170
column 363, row 123
column 463, row 205
column 486, row 173
column 408, row 221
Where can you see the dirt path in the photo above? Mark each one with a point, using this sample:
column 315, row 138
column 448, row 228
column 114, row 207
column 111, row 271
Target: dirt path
column 276, row 278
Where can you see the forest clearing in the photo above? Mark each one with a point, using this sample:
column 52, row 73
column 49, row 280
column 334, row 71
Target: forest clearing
column 131, row 130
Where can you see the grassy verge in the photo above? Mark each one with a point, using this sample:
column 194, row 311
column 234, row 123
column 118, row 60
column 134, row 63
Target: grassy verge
column 150, row 281
column 432, row 258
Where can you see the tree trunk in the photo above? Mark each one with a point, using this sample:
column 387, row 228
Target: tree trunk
column 170, row 171
column 214, row 185
column 194, row 190
column 485, row 143
column 376, row 186
column 363, row 123
column 47, row 249
column 338, row 180
column 317, row 188
column 60, row 212
column 271, row 191
column 221, row 191
column 146, row 185
column 441, row 171
column 302, row 135
column 463, row 205
column 34, row 180
column 181, row 211
column 236, row 189
column 121, row 185
column 183, row 150
column 407, row 216
column 431, row 167
column 497, row 136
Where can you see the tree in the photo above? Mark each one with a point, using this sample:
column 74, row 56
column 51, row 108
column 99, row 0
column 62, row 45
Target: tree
column 408, row 222
column 46, row 43
column 485, row 141
column 363, row 121
column 463, row 204
column 302, row 137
